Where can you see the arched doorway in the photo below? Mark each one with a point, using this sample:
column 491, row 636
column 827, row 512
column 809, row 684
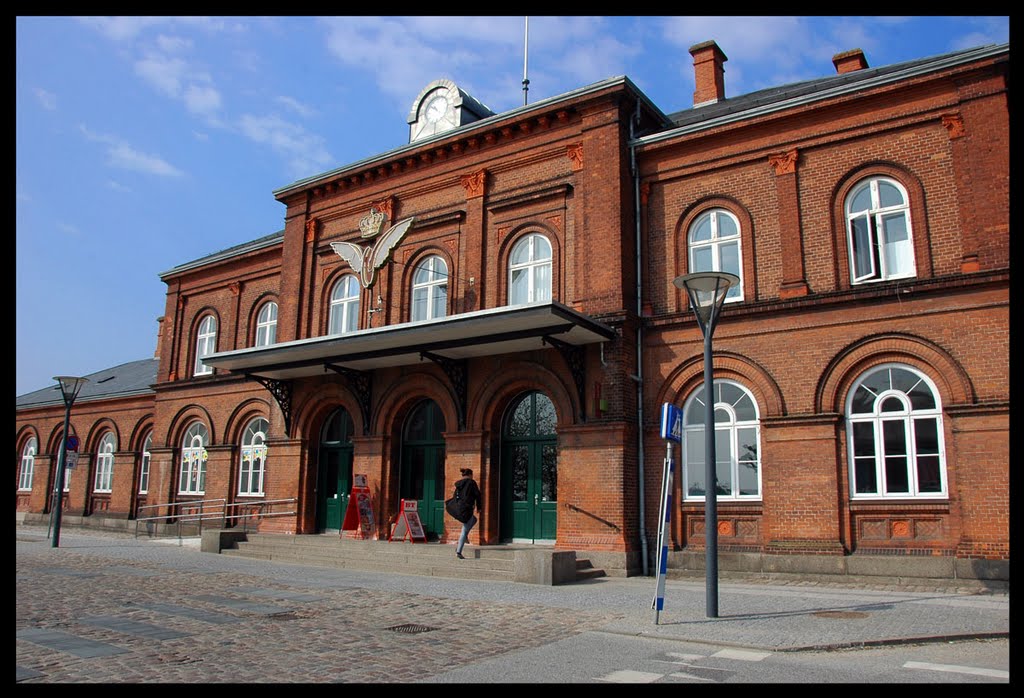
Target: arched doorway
column 423, row 464
column 334, row 474
column 529, row 470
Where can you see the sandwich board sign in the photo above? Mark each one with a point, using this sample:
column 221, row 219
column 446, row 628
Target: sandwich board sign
column 359, row 514
column 408, row 524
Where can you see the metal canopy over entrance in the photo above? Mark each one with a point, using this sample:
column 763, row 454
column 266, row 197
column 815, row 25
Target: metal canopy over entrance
column 448, row 341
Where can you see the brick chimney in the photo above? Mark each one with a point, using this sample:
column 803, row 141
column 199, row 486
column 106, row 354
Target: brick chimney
column 849, row 61
column 709, row 75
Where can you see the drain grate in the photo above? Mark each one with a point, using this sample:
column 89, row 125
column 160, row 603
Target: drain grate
column 411, row 628
column 840, row 614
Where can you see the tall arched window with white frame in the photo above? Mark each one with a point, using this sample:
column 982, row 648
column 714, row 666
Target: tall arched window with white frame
column 737, row 443
column 344, row 312
column 529, row 272
column 253, row 457
column 879, row 233
column 894, row 430
column 147, row 445
column 206, row 344
column 266, row 324
column 192, row 477
column 715, row 244
column 28, row 464
column 105, row 463
column 430, row 289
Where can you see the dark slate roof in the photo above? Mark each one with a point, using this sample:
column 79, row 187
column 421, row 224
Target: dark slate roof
column 133, row 378
column 258, row 243
column 808, row 88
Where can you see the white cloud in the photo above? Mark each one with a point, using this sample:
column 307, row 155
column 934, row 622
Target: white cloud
column 121, row 28
column 162, row 72
column 173, row 44
column 68, row 228
column 46, row 98
column 117, row 186
column 296, row 106
column 121, row 154
column 304, row 153
column 202, row 100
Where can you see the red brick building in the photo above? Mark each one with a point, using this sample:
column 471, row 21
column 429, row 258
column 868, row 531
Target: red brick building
column 498, row 294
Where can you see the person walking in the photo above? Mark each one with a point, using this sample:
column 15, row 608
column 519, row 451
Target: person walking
column 467, row 496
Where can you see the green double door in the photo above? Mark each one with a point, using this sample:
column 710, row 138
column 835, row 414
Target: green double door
column 529, row 471
column 422, row 477
column 334, row 475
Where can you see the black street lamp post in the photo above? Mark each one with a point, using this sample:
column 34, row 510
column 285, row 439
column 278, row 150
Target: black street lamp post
column 707, row 291
column 69, row 388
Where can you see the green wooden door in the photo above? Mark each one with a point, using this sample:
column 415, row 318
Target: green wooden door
column 423, row 465
column 334, row 476
column 530, row 471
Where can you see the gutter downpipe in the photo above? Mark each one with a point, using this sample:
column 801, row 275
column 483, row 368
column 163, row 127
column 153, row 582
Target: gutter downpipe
column 639, row 342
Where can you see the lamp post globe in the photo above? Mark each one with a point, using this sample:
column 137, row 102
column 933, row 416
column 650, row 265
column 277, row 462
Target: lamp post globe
column 707, row 291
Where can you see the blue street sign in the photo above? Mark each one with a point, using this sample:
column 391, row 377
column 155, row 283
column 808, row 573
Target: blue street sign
column 671, row 423
column 72, row 443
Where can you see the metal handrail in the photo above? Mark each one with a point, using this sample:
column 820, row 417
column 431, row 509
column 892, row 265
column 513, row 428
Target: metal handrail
column 257, row 510
column 247, row 512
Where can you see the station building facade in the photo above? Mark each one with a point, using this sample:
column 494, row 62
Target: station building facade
column 498, row 294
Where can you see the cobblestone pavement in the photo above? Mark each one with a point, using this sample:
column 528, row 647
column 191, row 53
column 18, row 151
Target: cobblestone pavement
column 107, row 608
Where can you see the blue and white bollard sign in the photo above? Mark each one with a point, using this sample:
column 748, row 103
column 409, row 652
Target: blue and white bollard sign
column 671, row 423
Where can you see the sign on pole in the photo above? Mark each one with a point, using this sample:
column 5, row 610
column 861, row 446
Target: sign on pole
column 671, row 430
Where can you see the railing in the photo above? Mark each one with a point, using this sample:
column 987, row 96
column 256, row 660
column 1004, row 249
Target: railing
column 199, row 510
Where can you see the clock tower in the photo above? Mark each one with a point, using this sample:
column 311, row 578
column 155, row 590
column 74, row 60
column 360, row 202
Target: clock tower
column 442, row 106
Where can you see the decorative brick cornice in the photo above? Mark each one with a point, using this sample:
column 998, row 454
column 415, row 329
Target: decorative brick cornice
column 575, row 153
column 311, row 226
column 473, row 183
column 385, row 206
column 783, row 163
column 236, row 288
column 954, row 124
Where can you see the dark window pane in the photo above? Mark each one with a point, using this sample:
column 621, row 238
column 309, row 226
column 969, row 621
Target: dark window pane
column 929, row 478
column 926, row 436
column 863, row 401
column 520, row 463
column 865, row 480
column 892, row 404
column 864, row 439
column 894, row 435
column 549, row 474
column 546, row 418
column 896, row 474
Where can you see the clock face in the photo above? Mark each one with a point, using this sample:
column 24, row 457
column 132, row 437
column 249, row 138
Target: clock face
column 437, row 107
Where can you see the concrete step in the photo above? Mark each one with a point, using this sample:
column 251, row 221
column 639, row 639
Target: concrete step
column 586, row 570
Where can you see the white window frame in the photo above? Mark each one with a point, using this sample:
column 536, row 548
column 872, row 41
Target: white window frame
column 103, row 482
column 192, row 475
column 253, row 458
column 871, row 255
column 147, row 445
column 266, row 325
column 430, row 289
column 206, row 344
column 535, row 271
column 344, row 310
column 28, row 465
column 719, row 239
column 728, row 430
column 879, row 419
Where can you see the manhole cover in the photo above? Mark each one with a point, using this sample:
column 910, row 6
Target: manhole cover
column 411, row 628
column 840, row 614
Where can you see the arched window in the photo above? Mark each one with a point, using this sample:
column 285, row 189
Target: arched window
column 344, row 314
column 28, row 464
column 206, row 344
column 192, row 479
column 894, row 428
column 714, row 245
column 144, row 465
column 737, row 443
column 105, row 463
column 529, row 271
column 879, row 232
column 254, row 457
column 266, row 325
column 430, row 289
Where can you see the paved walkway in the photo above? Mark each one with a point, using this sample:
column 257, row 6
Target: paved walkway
column 105, row 607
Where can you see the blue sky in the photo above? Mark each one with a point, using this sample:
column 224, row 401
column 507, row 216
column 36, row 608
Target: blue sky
column 147, row 142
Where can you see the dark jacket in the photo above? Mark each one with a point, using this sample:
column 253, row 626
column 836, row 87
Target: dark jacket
column 467, row 492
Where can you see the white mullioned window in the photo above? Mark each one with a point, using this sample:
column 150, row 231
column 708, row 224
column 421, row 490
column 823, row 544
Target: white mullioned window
column 206, row 344
column 529, row 273
column 737, row 443
column 266, row 325
column 254, row 457
column 344, row 313
column 144, row 464
column 879, row 232
column 430, row 289
column 714, row 245
column 28, row 464
column 894, row 430
column 105, row 463
column 192, row 478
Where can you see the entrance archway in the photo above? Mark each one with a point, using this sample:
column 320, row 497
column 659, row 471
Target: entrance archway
column 529, row 470
column 334, row 474
column 423, row 464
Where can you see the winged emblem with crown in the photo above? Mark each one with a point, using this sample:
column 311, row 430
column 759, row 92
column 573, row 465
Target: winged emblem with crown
column 365, row 261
